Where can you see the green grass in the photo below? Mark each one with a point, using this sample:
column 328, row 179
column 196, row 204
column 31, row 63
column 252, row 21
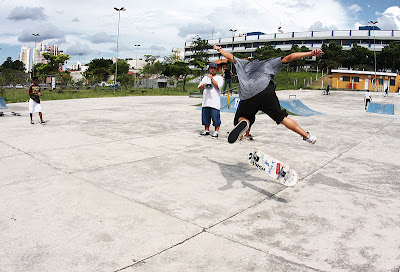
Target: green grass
column 21, row 95
column 284, row 80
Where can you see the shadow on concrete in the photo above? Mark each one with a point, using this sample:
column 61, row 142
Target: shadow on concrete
column 238, row 172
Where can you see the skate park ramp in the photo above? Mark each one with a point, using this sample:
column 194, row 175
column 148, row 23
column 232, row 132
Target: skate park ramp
column 381, row 108
column 224, row 104
column 2, row 104
column 295, row 106
column 232, row 103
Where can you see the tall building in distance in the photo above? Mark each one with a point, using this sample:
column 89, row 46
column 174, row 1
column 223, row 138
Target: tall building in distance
column 25, row 57
column 36, row 57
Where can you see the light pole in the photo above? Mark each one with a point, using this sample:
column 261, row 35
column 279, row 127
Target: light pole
column 79, row 67
column 116, row 58
column 33, row 55
column 374, row 23
column 137, row 47
column 233, row 35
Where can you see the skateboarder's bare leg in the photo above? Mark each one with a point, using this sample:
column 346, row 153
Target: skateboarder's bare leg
column 217, row 128
column 292, row 125
column 207, row 128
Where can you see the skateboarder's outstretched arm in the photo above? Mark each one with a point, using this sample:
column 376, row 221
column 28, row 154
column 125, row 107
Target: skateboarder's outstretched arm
column 227, row 55
column 299, row 55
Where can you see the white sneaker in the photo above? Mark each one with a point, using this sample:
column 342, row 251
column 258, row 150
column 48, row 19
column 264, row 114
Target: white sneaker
column 214, row 134
column 205, row 133
column 310, row 138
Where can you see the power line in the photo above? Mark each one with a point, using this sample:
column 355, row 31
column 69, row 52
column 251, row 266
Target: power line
column 280, row 26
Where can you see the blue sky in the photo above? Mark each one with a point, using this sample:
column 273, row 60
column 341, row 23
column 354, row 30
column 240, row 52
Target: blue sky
column 90, row 27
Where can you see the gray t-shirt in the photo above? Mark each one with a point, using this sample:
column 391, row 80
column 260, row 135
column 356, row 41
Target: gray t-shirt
column 255, row 76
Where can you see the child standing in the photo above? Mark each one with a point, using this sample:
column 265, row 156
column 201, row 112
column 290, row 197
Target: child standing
column 211, row 86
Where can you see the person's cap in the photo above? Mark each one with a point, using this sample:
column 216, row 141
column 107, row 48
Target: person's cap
column 213, row 65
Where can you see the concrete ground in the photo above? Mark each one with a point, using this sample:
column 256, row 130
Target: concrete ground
column 127, row 184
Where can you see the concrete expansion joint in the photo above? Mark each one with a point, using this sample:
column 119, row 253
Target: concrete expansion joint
column 267, row 253
column 346, row 151
column 143, row 261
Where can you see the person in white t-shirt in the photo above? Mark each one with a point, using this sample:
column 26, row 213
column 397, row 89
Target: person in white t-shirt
column 211, row 86
column 367, row 98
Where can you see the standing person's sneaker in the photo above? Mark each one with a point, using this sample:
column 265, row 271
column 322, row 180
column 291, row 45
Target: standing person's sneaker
column 310, row 138
column 43, row 122
column 205, row 133
column 238, row 130
column 32, row 123
column 214, row 134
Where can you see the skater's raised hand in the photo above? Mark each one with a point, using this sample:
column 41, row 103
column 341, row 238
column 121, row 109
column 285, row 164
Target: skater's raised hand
column 316, row 52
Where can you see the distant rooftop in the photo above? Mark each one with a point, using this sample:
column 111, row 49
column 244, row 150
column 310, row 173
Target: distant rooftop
column 368, row 28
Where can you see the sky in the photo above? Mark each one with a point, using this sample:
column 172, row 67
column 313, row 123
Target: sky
column 87, row 29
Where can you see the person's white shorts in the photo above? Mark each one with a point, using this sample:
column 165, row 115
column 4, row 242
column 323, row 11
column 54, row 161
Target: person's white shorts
column 34, row 107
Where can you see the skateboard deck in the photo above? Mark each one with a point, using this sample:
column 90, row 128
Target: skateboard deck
column 274, row 168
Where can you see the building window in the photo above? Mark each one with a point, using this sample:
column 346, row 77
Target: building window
column 392, row 82
column 381, row 81
column 346, row 78
column 356, row 79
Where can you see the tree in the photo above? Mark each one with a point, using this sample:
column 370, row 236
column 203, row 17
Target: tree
column 389, row 57
column 177, row 69
column 12, row 72
column 126, row 80
column 332, row 57
column 199, row 48
column 123, row 68
column 55, row 63
column 152, row 67
column 299, row 62
column 358, row 56
column 267, row 52
column 99, row 70
column 9, row 64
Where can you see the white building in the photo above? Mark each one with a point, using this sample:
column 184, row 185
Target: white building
column 178, row 53
column 75, row 66
column 25, row 57
column 78, row 74
column 249, row 42
column 135, row 65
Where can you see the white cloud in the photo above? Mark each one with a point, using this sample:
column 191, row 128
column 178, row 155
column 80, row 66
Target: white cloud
column 159, row 25
column 355, row 8
column 390, row 18
column 78, row 48
column 318, row 26
column 46, row 32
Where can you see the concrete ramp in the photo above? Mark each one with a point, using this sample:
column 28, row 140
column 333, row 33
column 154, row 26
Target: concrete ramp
column 296, row 107
column 381, row 108
column 232, row 104
column 3, row 105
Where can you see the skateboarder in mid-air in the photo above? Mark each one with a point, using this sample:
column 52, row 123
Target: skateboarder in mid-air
column 257, row 92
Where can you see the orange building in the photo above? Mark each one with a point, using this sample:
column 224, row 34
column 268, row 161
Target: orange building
column 365, row 80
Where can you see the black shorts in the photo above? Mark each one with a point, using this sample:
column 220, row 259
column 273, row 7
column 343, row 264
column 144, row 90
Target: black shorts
column 266, row 101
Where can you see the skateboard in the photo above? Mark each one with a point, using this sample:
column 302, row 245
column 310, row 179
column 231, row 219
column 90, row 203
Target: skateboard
column 274, row 168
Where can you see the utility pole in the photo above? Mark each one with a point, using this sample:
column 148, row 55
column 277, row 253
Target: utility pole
column 116, row 58
column 374, row 23
column 33, row 55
